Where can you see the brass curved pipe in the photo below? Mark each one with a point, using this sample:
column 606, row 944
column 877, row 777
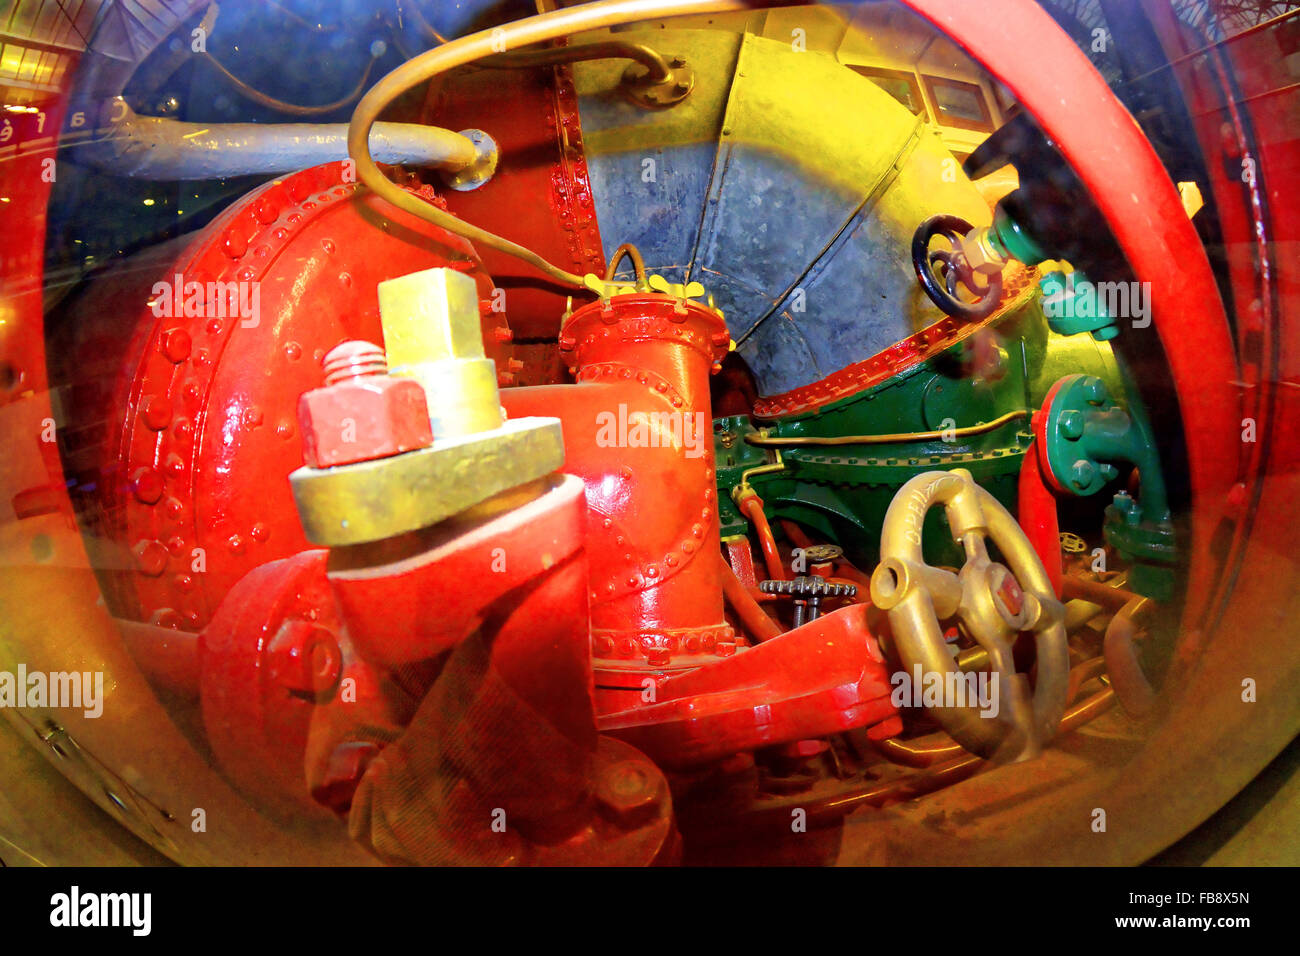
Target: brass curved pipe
column 918, row 754
column 779, row 441
column 831, row 809
column 476, row 46
column 652, row 60
column 627, row 250
column 1096, row 592
column 1135, row 693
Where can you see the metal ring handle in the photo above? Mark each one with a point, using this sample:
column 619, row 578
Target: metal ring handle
column 995, row 603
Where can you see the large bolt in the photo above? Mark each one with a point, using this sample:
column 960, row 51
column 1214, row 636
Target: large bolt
column 627, row 792
column 1093, row 389
column 1070, row 424
column 362, row 413
column 433, row 330
column 304, row 658
column 1082, row 472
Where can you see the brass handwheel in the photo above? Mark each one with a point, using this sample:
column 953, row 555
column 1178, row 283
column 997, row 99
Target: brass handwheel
column 995, row 604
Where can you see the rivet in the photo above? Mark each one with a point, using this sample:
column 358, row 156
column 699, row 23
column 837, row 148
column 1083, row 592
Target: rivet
column 234, row 244
column 156, row 412
column 166, row 617
column 176, row 345
column 265, row 211
column 150, row 557
column 147, row 485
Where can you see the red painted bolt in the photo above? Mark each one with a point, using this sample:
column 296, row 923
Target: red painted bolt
column 627, row 792
column 353, row 360
column 304, row 658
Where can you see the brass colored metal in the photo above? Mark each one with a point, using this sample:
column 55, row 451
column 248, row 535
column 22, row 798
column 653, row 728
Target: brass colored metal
column 995, row 604
column 373, row 500
column 772, row 441
column 432, row 334
column 743, row 489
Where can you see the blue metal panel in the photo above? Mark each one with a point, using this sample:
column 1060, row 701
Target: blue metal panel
column 788, row 185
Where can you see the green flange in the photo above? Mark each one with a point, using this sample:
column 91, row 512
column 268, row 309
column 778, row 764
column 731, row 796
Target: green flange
column 1070, row 300
column 1072, row 305
column 1085, row 432
column 1148, row 546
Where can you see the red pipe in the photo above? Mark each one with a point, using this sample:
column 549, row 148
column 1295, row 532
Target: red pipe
column 1038, row 516
column 762, row 627
column 751, row 506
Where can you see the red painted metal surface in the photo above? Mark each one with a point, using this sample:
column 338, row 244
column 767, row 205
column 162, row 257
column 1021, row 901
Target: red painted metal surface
column 26, row 159
column 1036, row 511
column 820, row 679
column 638, row 432
column 541, row 193
column 347, row 674
column 1243, row 103
column 271, row 644
column 256, row 723
column 209, row 401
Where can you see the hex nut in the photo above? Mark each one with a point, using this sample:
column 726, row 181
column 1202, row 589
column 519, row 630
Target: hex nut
column 364, row 419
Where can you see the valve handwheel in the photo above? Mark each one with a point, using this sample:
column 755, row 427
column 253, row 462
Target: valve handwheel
column 996, row 603
column 943, row 272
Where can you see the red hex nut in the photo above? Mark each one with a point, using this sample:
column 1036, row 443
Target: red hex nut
column 304, row 658
column 362, row 414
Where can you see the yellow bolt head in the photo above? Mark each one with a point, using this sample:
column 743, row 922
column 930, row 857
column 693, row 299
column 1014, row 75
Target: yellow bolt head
column 430, row 316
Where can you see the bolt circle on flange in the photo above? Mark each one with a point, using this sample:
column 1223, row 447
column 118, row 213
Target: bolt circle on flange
column 658, row 94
